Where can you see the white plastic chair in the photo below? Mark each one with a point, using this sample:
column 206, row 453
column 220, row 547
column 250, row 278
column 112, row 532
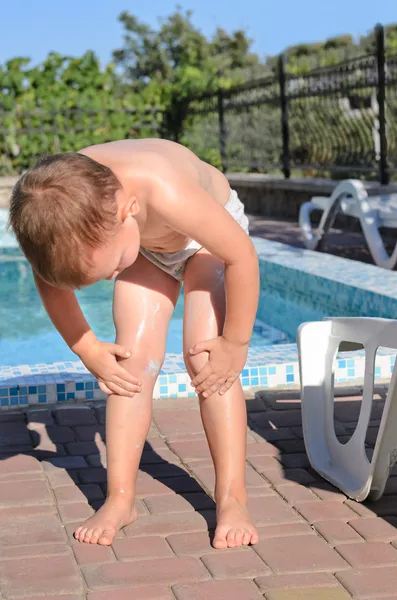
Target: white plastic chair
column 351, row 198
column 346, row 466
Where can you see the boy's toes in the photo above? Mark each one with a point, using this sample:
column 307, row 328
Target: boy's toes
column 107, row 537
column 96, row 534
column 230, row 538
column 254, row 537
column 238, row 538
column 81, row 534
column 88, row 536
column 246, row 538
column 219, row 541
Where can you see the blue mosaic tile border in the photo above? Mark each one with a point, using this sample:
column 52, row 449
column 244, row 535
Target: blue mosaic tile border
column 340, row 286
column 267, row 368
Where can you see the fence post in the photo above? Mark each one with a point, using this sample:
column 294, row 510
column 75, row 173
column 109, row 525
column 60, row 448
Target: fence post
column 222, row 130
column 284, row 118
column 381, row 93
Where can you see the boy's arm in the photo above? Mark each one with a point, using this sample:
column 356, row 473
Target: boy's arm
column 99, row 357
column 66, row 315
column 192, row 211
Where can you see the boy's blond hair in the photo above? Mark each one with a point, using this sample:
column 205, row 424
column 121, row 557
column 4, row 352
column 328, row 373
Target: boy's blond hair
column 62, row 209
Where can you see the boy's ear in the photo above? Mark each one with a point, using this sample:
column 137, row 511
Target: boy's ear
column 131, row 208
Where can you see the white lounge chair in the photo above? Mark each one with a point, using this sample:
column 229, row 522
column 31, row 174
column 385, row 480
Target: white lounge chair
column 346, row 465
column 351, row 198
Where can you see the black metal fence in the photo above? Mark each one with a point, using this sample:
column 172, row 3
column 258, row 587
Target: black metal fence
column 339, row 121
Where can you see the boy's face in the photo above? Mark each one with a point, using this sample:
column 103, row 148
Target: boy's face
column 119, row 253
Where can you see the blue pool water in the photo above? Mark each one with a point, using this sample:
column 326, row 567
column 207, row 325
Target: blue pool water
column 27, row 335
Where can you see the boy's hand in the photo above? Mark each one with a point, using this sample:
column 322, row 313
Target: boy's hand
column 100, row 359
column 225, row 363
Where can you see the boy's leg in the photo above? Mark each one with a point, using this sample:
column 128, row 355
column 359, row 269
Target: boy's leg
column 224, row 417
column 144, row 299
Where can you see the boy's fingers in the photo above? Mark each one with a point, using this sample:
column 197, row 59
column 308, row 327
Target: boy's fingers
column 116, row 389
column 202, row 376
column 121, row 351
column 130, row 387
column 126, row 376
column 104, row 388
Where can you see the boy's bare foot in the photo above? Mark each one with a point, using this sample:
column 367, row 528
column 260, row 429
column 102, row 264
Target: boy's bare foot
column 235, row 527
column 104, row 525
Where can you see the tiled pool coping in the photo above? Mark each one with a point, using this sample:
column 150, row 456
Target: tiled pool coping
column 346, row 285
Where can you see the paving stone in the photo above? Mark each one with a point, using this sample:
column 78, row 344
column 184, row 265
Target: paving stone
column 185, row 544
column 197, row 449
column 19, row 464
column 147, row 592
column 159, row 455
column 264, row 462
column 34, row 549
column 308, row 594
column 263, row 449
column 240, row 563
column 272, row 531
column 179, row 404
column 164, row 570
column 42, row 529
column 23, row 493
column 299, row 554
column 40, row 417
column 296, row 581
column 100, row 412
column 70, row 417
column 185, row 421
column 62, row 597
column 84, row 492
column 384, row 507
column 327, row 492
column 271, row 510
column 325, row 511
column 93, row 475
column 54, row 575
column 278, row 419
column 280, row 475
column 291, row 446
column 65, row 462
column 232, row 589
column 59, row 478
column 369, row 583
column 167, row 524
column 91, row 554
column 179, row 503
column 164, row 470
column 88, row 433
column 75, row 511
column 7, row 416
column 375, row 529
column 82, row 448
column 44, row 446
column 294, row 494
column 14, row 433
column 337, row 532
column 360, row 509
column 271, row 435
column 141, row 547
column 181, row 485
column 96, row 460
column 368, row 554
column 13, row 512
column 59, row 435
column 147, row 486
column 295, row 461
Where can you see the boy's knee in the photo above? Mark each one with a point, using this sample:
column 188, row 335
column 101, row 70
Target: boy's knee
column 194, row 364
column 143, row 364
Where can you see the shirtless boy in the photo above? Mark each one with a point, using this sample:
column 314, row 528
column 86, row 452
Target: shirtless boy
column 149, row 214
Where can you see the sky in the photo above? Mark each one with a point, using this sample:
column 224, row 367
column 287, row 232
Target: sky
column 32, row 28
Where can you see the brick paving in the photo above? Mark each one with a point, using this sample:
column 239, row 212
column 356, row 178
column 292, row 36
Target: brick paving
column 315, row 544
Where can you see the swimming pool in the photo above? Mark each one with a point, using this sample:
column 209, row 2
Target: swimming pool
column 296, row 285
column 27, row 336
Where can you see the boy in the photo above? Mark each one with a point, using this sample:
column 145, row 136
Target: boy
column 149, row 214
